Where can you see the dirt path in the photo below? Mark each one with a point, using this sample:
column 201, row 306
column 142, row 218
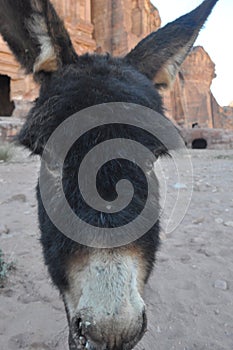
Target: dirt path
column 189, row 297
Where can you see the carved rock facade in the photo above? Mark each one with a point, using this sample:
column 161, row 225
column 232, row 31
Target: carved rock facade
column 116, row 26
column 191, row 101
column 112, row 26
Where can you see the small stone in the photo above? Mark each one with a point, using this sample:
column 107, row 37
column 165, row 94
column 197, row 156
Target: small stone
column 204, row 252
column 162, row 258
column 4, row 229
column 216, row 212
column 217, row 312
column 18, row 197
column 214, row 190
column 7, row 293
column 197, row 241
column 196, row 188
column 194, row 311
column 228, row 223
column 218, row 220
column 185, row 259
column 198, row 220
column 220, row 284
column 28, row 298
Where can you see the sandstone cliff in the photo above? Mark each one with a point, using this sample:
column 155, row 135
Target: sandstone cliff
column 116, row 26
column 191, row 100
column 113, row 26
column 120, row 24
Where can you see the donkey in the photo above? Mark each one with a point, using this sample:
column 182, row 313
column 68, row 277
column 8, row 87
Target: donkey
column 102, row 288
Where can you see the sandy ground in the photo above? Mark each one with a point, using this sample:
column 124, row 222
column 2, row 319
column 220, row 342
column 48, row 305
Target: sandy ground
column 189, row 297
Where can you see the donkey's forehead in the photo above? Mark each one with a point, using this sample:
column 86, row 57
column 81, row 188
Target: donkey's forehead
column 96, row 79
column 100, row 65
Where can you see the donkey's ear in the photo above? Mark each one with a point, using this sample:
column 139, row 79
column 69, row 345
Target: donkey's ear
column 160, row 55
column 36, row 35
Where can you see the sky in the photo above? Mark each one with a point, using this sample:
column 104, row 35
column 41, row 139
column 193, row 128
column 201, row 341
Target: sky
column 216, row 37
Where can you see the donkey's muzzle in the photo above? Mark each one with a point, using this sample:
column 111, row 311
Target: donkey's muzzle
column 106, row 336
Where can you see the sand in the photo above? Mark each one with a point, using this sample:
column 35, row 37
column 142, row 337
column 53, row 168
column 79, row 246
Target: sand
column 189, row 296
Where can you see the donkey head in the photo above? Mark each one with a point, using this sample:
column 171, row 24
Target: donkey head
column 102, row 288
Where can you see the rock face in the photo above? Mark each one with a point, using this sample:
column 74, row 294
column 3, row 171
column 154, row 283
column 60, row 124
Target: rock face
column 211, row 138
column 116, row 26
column 78, row 21
column 223, row 116
column 120, row 24
column 9, row 128
column 77, row 17
column 21, row 86
column 191, row 100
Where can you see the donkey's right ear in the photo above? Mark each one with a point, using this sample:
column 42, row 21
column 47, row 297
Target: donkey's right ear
column 36, row 35
column 160, row 55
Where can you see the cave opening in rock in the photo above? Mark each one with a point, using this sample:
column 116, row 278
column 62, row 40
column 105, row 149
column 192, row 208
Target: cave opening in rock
column 199, row 144
column 6, row 105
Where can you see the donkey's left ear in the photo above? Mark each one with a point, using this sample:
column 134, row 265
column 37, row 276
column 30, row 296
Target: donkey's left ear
column 160, row 55
column 36, row 35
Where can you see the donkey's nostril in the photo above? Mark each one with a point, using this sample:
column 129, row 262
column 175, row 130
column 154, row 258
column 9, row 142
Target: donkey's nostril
column 78, row 323
column 78, row 339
